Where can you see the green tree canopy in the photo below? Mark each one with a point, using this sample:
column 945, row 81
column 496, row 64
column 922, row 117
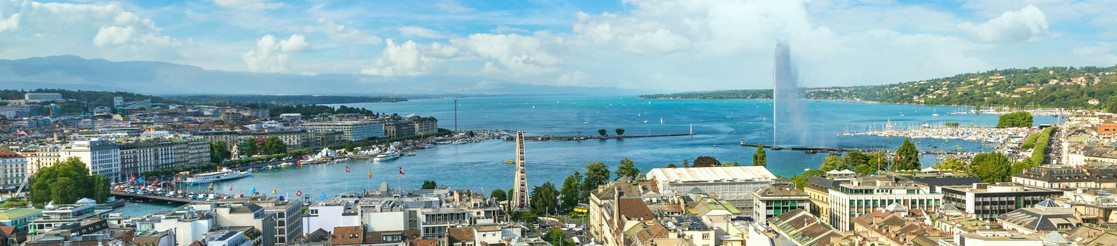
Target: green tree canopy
column 218, row 152
column 1017, row 119
column 830, row 162
column 990, row 167
column 671, row 165
column 907, row 157
column 596, row 174
column 602, row 132
column 544, row 199
column 620, row 131
column 67, row 181
column 628, row 169
column 499, row 195
column 571, row 192
column 429, row 184
column 952, row 165
column 706, row 161
column 760, row 158
column 273, row 145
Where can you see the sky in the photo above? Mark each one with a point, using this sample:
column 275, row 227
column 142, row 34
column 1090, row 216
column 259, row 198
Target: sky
column 665, row 45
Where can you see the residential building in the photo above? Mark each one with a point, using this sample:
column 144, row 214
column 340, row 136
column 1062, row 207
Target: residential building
column 19, row 218
column 818, row 189
column 796, row 227
column 607, row 215
column 1092, row 155
column 189, row 223
column 863, row 195
column 986, row 201
column 155, row 238
column 397, row 128
column 778, row 199
column 102, row 157
column 14, row 112
column 228, row 238
column 138, row 156
column 55, row 216
column 350, row 130
column 13, row 169
column 731, row 184
column 1094, row 235
column 1046, row 216
column 896, row 226
column 425, row 126
column 1107, row 129
column 434, row 222
column 288, row 219
column 1068, row 178
column 990, row 238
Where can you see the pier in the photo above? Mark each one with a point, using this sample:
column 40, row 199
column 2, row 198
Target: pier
column 590, row 137
column 135, row 196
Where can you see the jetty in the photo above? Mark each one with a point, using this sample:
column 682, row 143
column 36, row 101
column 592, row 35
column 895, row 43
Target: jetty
column 147, row 197
column 591, row 137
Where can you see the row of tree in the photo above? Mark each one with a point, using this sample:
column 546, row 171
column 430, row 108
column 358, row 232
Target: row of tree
column 1016, row 119
column 603, row 132
column 906, row 159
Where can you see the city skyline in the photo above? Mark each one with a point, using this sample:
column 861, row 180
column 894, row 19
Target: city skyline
column 657, row 45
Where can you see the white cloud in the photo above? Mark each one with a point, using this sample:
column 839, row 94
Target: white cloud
column 452, row 6
column 342, row 34
column 270, row 54
column 416, row 31
column 1028, row 23
column 516, row 54
column 253, row 5
column 11, row 23
column 1102, row 53
column 409, row 59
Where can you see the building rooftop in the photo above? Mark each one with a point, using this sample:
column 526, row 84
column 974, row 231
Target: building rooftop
column 780, row 190
column 711, row 174
column 1042, row 218
column 13, row 213
column 6, row 153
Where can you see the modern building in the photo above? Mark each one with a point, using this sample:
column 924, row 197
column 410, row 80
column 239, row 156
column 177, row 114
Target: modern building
column 288, row 219
column 612, row 206
column 987, row 201
column 19, row 218
column 247, row 215
column 188, row 223
column 1093, row 206
column 731, row 184
column 55, row 216
column 865, row 194
column 777, row 199
column 13, row 169
column 991, row 238
column 796, row 227
column 350, row 130
column 1068, row 178
column 818, row 189
column 102, row 157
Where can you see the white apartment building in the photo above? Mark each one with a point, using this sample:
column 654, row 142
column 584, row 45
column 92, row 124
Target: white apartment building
column 102, row 157
column 13, row 169
column 862, row 195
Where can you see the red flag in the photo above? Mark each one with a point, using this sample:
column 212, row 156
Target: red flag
column 400, row 170
column 299, row 193
column 346, row 169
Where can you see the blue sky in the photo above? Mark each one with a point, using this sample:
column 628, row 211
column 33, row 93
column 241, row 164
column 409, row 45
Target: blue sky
column 663, row 45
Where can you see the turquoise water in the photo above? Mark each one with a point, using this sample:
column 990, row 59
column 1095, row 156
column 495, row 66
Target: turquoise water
column 719, row 125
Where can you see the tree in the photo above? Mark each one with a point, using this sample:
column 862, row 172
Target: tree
column 907, row 157
column 627, row 169
column 706, row 161
column 951, row 164
column 1021, row 165
column 830, row 162
column 760, row 158
column 14, row 203
column 218, row 152
column 571, row 191
column 602, row 132
column 1017, row 119
column 498, row 195
column 556, row 237
column 596, row 174
column 803, row 178
column 951, row 124
column 273, row 145
column 430, row 184
column 671, row 165
column 686, row 163
column 620, row 132
column 544, row 199
column 990, row 167
column 66, row 182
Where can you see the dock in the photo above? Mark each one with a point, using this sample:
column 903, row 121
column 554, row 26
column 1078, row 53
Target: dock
column 134, row 196
column 590, row 137
column 817, row 150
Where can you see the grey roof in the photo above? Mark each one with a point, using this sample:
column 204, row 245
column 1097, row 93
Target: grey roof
column 1040, row 218
column 1055, row 238
column 1048, row 203
column 933, row 182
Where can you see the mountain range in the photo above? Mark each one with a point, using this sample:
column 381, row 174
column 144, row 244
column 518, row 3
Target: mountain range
column 76, row 73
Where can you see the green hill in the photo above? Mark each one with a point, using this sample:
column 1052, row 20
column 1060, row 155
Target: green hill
column 1063, row 87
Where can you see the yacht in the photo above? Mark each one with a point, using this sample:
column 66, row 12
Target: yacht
column 217, row 176
column 391, row 154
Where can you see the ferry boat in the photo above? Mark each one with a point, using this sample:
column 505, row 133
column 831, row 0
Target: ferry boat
column 391, row 154
column 216, row 176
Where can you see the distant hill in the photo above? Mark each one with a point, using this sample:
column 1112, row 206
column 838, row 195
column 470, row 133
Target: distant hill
column 1064, row 87
column 159, row 78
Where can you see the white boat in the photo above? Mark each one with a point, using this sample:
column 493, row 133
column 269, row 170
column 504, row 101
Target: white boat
column 217, row 176
column 391, row 154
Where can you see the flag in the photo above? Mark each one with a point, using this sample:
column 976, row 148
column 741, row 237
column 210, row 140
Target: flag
column 140, row 180
column 323, row 196
column 253, row 189
column 210, row 186
column 370, row 173
column 400, row 170
column 299, row 193
column 273, row 191
column 346, row 169
column 230, row 188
